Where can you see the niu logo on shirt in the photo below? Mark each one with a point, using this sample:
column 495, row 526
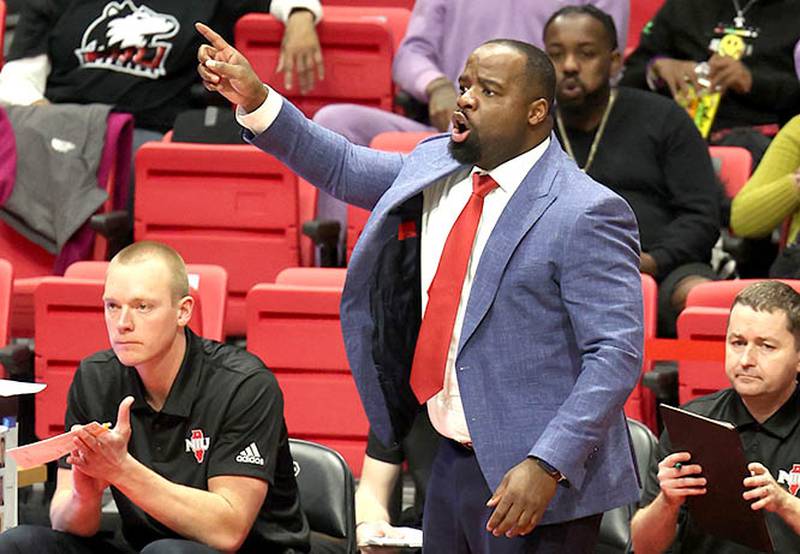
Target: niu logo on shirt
column 198, row 444
column 128, row 39
column 791, row 478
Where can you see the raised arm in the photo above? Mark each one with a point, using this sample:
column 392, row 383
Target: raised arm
column 354, row 174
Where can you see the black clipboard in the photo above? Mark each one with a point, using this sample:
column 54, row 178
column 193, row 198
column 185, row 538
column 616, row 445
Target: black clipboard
column 716, row 446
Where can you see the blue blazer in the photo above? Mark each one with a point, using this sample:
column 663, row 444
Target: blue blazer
column 552, row 339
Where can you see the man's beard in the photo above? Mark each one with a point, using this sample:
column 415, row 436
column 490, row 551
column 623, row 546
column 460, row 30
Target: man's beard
column 587, row 103
column 467, row 152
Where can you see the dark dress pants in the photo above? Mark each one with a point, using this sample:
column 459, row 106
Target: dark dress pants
column 456, row 514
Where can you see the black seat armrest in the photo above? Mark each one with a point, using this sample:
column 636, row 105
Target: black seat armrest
column 325, row 234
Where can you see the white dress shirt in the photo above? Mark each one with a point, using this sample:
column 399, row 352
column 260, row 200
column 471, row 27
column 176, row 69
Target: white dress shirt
column 442, row 203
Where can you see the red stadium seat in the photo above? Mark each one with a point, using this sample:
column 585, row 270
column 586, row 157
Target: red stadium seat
column 312, row 276
column 358, row 45
column 642, row 11
column 226, row 205
column 6, row 280
column 32, row 262
column 210, row 282
column 699, row 378
column 2, row 29
column 720, row 294
column 641, row 403
column 69, row 326
column 407, row 4
column 295, row 330
column 735, row 167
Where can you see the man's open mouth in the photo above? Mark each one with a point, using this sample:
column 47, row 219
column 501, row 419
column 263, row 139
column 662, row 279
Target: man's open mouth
column 460, row 130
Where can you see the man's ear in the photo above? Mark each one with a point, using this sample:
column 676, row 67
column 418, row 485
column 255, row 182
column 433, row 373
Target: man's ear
column 185, row 308
column 538, row 110
column 616, row 65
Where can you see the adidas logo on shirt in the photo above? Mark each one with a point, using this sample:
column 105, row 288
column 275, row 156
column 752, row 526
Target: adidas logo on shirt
column 250, row 455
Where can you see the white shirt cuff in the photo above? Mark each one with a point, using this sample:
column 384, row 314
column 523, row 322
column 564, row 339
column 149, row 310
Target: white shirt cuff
column 260, row 119
column 22, row 81
column 281, row 9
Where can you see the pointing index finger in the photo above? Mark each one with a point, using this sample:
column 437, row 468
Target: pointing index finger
column 212, row 36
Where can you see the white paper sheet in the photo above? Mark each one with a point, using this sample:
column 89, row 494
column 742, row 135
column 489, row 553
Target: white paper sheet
column 41, row 452
column 15, row 388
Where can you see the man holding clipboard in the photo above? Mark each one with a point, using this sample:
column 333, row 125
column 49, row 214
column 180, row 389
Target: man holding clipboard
column 762, row 360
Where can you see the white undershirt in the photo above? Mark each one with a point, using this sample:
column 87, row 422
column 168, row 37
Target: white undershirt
column 442, row 204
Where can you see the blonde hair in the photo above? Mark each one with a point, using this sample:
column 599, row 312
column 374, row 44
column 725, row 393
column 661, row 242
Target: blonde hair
column 148, row 250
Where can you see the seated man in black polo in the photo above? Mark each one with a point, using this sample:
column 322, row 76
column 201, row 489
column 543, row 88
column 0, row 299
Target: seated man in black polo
column 762, row 360
column 198, row 460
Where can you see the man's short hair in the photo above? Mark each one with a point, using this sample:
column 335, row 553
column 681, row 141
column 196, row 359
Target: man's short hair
column 592, row 11
column 148, row 250
column 769, row 296
column 539, row 70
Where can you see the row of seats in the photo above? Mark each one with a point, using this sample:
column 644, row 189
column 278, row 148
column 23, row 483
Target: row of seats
column 245, row 216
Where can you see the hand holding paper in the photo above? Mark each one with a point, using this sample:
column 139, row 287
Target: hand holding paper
column 53, row 448
column 99, row 456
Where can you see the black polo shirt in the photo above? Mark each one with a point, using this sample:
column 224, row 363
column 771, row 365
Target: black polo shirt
column 775, row 444
column 223, row 416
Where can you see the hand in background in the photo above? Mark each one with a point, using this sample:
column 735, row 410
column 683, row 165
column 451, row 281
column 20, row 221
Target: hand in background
column 647, row 264
column 442, row 98
column 301, row 52
column 678, row 75
column 729, row 73
column 224, row 70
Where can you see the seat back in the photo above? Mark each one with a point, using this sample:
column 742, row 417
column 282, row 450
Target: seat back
column 312, row 276
column 641, row 403
column 642, row 11
column 615, row 527
column 296, row 331
column 407, row 4
column 226, row 205
column 210, row 282
column 6, row 281
column 358, row 45
column 2, row 29
column 69, row 326
column 735, row 166
column 327, row 491
column 699, row 378
column 720, row 294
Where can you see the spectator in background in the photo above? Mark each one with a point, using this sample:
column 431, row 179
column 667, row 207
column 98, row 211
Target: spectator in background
column 771, row 195
column 640, row 145
column 440, row 36
column 760, row 91
column 381, row 474
column 138, row 55
column 762, row 359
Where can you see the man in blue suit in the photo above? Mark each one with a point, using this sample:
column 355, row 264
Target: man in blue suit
column 539, row 331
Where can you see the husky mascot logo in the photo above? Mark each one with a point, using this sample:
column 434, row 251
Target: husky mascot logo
column 128, row 39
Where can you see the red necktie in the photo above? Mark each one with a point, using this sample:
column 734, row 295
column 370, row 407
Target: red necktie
column 444, row 294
